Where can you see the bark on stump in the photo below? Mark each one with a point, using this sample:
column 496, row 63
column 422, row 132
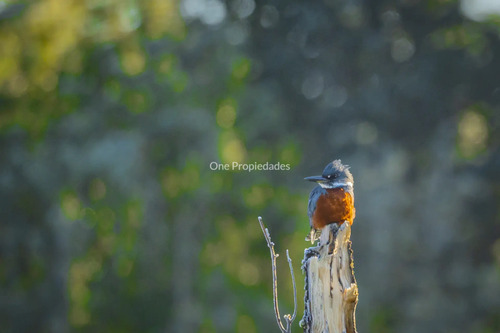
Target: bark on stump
column 331, row 292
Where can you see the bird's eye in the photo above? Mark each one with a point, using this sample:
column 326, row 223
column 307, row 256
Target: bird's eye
column 329, row 176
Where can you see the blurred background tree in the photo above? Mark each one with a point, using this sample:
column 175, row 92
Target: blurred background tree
column 111, row 111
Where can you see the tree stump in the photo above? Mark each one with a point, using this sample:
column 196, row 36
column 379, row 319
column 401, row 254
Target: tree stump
column 331, row 292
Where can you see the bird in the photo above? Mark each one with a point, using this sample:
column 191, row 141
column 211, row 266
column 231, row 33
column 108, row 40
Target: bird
column 332, row 200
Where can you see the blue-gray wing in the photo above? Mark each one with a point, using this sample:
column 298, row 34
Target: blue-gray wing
column 313, row 198
column 350, row 190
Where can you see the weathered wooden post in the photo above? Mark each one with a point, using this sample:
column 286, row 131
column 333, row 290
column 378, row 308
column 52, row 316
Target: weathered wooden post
column 331, row 292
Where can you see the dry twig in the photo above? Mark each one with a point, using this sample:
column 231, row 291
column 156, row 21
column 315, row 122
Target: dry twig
column 288, row 318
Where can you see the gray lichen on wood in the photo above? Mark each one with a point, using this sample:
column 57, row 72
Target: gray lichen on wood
column 331, row 292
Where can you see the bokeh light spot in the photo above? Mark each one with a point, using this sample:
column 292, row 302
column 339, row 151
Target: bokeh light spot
column 80, row 274
column 241, row 68
column 480, row 10
column 402, row 49
column 233, row 151
column 171, row 183
column 472, row 134
column 71, row 206
column 134, row 214
column 226, row 114
column 231, row 148
column 18, row 85
column 236, row 33
column 313, row 86
column 210, row 12
column 163, row 17
column 175, row 181
column 352, row 16
column 366, row 133
column 133, row 62
column 334, row 96
column 243, row 8
column 249, row 274
column 269, row 16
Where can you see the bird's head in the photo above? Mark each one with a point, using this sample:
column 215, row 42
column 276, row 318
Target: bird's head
column 335, row 175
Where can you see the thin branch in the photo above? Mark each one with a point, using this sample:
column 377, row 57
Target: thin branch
column 288, row 318
column 294, row 287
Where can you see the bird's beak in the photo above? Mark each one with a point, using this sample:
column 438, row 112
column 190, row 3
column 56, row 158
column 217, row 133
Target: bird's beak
column 317, row 179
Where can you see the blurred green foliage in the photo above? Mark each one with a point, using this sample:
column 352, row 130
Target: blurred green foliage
column 45, row 41
column 111, row 112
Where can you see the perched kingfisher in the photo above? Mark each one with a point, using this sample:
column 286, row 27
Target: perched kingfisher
column 332, row 201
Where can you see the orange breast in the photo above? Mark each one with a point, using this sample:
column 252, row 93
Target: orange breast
column 336, row 206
